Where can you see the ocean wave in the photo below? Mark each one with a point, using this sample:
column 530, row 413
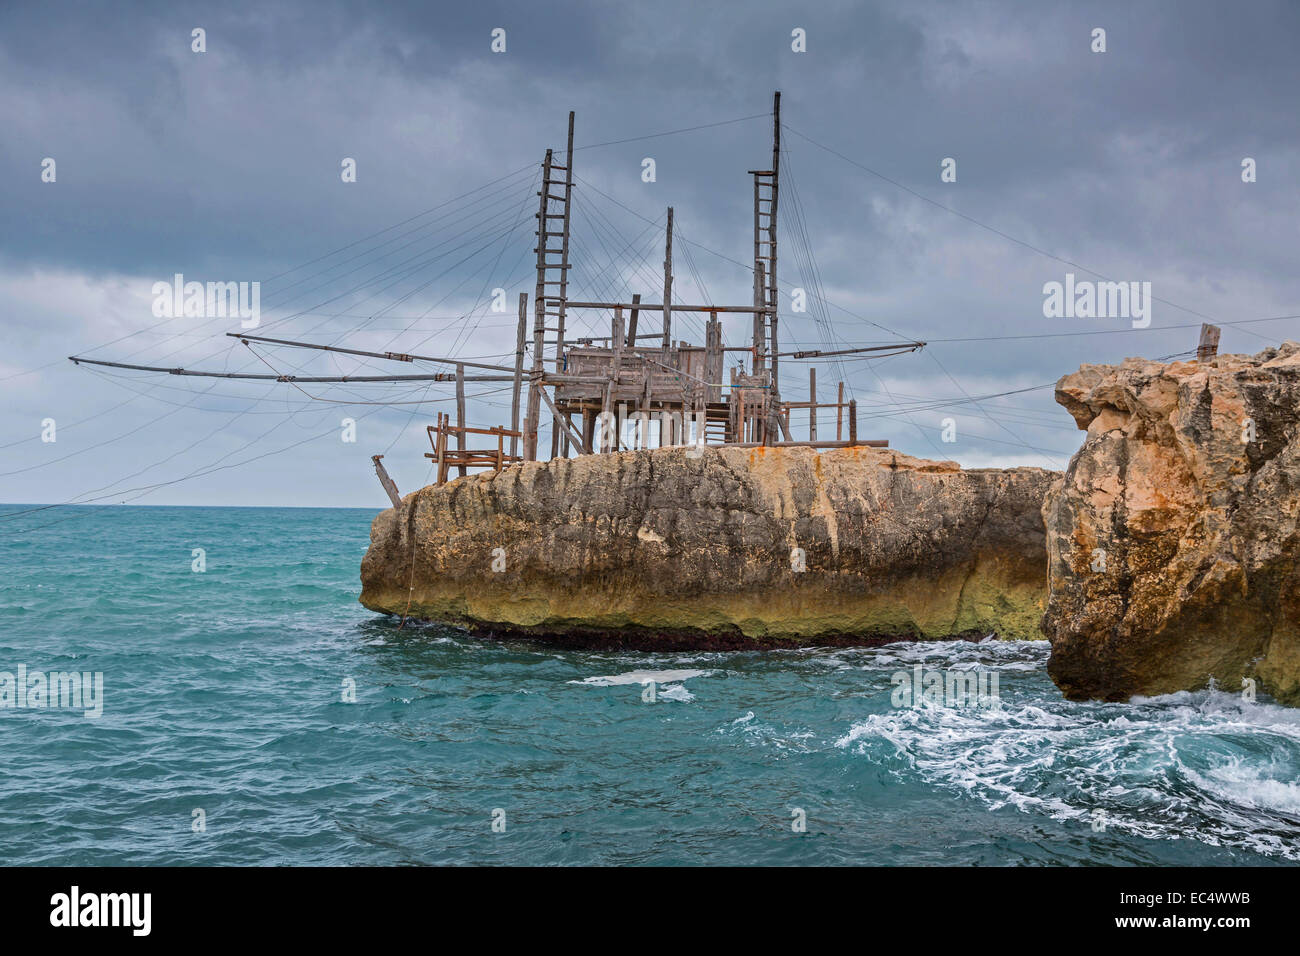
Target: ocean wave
column 640, row 677
column 1185, row 766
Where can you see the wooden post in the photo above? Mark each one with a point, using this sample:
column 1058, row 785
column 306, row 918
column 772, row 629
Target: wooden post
column 460, row 417
column 839, row 414
column 389, row 485
column 606, row 409
column 668, row 286
column 631, row 325
column 853, row 421
column 617, row 341
column 643, row 421
column 812, row 403
column 716, row 361
column 1208, row 346
column 442, row 448
column 519, row 371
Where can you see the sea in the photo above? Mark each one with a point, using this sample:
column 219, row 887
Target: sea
column 251, row 712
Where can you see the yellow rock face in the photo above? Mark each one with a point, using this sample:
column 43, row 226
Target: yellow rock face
column 720, row 548
column 1188, row 487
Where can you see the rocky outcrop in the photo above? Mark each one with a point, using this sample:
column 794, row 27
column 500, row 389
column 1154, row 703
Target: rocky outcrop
column 1172, row 539
column 720, row 548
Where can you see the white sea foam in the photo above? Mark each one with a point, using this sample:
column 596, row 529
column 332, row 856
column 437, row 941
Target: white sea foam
column 1162, row 768
column 640, row 677
column 676, row 692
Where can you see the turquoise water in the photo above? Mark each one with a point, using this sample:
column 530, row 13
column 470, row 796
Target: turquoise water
column 223, row 694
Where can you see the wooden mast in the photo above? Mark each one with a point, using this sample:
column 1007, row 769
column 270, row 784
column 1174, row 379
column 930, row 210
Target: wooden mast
column 668, row 285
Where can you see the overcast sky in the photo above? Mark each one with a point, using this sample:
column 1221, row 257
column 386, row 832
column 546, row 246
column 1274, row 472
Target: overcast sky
column 225, row 165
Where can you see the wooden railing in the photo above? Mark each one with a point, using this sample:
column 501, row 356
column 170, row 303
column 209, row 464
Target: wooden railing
column 462, row 458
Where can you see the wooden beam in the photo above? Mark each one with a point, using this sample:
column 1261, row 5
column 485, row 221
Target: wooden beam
column 519, row 372
column 272, row 377
column 648, row 307
column 631, row 325
column 563, row 424
column 394, row 356
column 867, row 442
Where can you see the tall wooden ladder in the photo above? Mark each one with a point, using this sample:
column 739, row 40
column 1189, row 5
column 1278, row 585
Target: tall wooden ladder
column 553, row 221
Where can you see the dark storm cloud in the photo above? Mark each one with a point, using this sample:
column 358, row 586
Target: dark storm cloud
column 227, row 164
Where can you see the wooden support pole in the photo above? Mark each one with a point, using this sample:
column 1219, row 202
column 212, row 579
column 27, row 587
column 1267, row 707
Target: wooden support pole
column 771, row 249
column 616, row 360
column 606, row 409
column 1208, row 346
column 460, row 416
column 539, row 325
column 519, row 372
column 643, row 423
column 812, row 403
column 560, row 419
column 839, row 414
column 853, row 421
column 442, row 448
column 631, row 325
column 668, row 284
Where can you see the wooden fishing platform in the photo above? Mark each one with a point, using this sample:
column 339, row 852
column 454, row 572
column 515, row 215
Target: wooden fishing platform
column 592, row 386
column 635, row 388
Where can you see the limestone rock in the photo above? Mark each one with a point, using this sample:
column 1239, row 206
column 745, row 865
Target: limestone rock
column 682, row 547
column 1172, row 537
